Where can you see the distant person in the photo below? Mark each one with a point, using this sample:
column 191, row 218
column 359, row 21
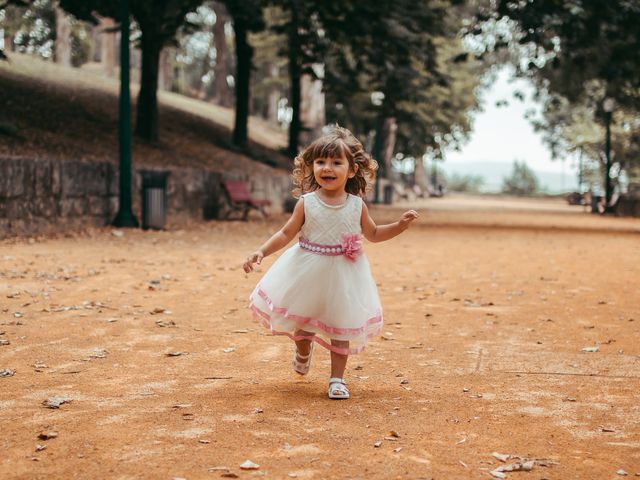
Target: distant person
column 321, row 290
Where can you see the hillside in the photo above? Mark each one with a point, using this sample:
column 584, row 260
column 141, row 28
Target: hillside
column 48, row 111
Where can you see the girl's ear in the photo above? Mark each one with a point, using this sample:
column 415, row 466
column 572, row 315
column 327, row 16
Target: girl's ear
column 353, row 170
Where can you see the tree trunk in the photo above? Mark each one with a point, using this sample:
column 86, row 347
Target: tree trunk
column 420, row 174
column 63, row 38
column 108, row 47
column 244, row 54
column 96, row 44
column 295, row 75
column 312, row 111
column 389, row 129
column 8, row 41
column 165, row 73
column 222, row 92
column 147, row 108
column 273, row 98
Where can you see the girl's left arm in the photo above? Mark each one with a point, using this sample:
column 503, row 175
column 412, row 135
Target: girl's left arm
column 380, row 233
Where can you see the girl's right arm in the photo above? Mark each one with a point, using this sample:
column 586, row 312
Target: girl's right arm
column 279, row 239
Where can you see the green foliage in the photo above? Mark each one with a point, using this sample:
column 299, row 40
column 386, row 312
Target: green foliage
column 34, row 28
column 581, row 53
column 413, row 57
column 522, row 180
column 579, row 42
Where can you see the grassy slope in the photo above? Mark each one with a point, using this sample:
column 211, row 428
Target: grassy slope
column 48, row 111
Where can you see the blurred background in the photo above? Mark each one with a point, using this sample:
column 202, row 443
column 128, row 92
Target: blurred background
column 478, row 96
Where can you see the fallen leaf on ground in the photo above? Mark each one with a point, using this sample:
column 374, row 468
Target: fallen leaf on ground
column 174, row 354
column 98, row 353
column 165, row 323
column 47, row 435
column 55, row 402
column 503, row 457
column 513, row 467
column 7, row 372
column 590, row 349
column 228, row 350
column 249, row 465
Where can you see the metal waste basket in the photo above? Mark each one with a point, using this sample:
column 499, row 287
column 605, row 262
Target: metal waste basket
column 388, row 194
column 595, row 200
column 154, row 199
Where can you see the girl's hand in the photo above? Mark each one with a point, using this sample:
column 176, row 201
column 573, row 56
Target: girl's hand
column 407, row 217
column 256, row 257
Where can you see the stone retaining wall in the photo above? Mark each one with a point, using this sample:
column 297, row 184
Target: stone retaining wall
column 43, row 196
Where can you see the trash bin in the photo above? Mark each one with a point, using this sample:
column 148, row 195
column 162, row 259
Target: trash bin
column 388, row 194
column 154, row 199
column 595, row 200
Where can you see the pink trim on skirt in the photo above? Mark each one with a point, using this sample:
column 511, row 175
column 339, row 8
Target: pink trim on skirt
column 265, row 319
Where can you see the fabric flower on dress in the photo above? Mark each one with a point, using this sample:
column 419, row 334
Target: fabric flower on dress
column 351, row 245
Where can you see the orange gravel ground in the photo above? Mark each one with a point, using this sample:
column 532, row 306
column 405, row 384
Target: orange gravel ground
column 488, row 305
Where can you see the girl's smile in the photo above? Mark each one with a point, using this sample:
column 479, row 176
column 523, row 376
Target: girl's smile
column 332, row 173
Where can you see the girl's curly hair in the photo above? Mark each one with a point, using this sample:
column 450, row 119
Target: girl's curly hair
column 336, row 143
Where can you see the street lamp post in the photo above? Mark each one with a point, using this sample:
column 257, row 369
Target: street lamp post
column 608, row 106
column 125, row 216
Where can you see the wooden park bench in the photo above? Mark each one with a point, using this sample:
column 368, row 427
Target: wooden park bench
column 240, row 199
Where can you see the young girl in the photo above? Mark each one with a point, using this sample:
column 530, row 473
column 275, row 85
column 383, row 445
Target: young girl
column 321, row 289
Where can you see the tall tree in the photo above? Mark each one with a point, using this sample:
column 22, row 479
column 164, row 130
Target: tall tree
column 401, row 74
column 63, row 38
column 221, row 93
column 584, row 53
column 247, row 17
column 158, row 20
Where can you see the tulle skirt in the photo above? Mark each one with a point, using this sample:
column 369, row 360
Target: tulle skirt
column 330, row 297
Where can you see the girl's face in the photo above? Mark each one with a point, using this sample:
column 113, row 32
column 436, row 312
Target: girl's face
column 332, row 173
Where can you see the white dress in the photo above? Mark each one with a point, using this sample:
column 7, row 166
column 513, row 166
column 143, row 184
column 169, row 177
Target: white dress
column 322, row 284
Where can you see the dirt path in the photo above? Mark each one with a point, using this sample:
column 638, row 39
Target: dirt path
column 488, row 308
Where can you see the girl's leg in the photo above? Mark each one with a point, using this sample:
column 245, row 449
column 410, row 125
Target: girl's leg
column 303, row 346
column 338, row 361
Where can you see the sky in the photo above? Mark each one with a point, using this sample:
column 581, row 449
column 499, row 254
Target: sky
column 502, row 134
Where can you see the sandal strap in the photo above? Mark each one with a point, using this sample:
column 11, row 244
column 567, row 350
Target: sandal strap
column 304, row 357
column 333, row 380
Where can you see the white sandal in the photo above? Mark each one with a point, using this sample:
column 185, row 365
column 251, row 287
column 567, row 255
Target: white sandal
column 302, row 367
column 338, row 389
